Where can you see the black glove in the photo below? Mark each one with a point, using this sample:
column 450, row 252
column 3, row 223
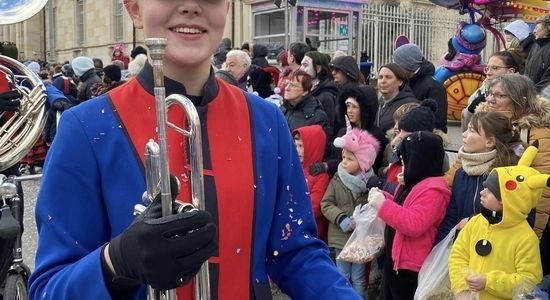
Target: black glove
column 164, row 252
column 472, row 107
column 374, row 181
column 10, row 101
column 318, row 168
column 61, row 105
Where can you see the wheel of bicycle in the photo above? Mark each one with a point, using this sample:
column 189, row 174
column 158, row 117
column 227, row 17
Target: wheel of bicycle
column 15, row 288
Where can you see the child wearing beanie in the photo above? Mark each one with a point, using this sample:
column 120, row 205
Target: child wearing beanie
column 346, row 190
column 497, row 250
column 409, row 118
column 413, row 214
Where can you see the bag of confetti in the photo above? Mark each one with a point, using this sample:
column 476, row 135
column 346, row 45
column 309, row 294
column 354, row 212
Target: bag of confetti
column 367, row 240
column 526, row 290
column 433, row 277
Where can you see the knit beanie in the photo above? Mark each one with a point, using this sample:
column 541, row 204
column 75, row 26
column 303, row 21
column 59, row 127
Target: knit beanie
column 34, row 66
column 421, row 118
column 409, row 57
column 519, row 29
column 362, row 144
column 492, row 184
column 138, row 50
column 118, row 47
column 113, row 72
column 82, row 64
column 348, row 65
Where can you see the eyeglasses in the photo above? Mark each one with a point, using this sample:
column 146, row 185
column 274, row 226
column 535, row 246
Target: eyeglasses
column 497, row 96
column 494, row 68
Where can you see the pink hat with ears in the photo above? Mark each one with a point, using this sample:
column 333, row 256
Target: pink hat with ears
column 118, row 47
column 362, row 144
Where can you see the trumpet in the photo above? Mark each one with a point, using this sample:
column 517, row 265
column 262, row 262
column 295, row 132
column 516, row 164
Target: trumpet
column 157, row 162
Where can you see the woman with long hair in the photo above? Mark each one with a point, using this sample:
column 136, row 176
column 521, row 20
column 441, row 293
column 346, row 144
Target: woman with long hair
column 489, row 142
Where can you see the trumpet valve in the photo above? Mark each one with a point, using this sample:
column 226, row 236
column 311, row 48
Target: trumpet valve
column 180, row 207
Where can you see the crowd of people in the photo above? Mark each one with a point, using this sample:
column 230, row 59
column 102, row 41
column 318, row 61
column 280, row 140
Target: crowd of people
column 395, row 124
column 290, row 151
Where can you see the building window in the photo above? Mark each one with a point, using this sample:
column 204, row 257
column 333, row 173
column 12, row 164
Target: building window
column 118, row 20
column 269, row 30
column 52, row 10
column 79, row 13
column 329, row 30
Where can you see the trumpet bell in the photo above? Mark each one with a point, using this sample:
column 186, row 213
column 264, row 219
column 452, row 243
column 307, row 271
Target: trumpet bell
column 15, row 11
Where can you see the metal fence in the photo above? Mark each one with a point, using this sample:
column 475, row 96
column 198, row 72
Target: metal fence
column 429, row 28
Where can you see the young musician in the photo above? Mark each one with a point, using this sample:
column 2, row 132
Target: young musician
column 92, row 247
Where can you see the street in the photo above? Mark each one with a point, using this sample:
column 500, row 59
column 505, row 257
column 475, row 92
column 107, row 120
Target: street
column 30, row 235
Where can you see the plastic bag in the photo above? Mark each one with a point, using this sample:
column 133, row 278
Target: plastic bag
column 433, row 277
column 466, row 295
column 526, row 290
column 367, row 240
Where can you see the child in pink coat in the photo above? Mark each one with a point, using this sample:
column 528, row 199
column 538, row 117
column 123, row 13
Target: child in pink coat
column 413, row 214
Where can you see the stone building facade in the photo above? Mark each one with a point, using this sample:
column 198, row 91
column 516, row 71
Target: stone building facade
column 64, row 29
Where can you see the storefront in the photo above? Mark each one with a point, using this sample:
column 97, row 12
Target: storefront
column 330, row 25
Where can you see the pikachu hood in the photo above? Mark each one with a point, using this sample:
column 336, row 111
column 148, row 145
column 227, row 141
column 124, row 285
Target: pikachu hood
column 518, row 187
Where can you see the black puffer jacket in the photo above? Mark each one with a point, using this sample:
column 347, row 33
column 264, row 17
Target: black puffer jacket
column 87, row 80
column 259, row 53
column 384, row 119
column 325, row 92
column 307, row 112
column 424, row 86
column 538, row 63
column 527, row 44
column 368, row 105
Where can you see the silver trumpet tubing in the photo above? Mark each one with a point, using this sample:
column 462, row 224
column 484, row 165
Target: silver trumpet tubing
column 157, row 162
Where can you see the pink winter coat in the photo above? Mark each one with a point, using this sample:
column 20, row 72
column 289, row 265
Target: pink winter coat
column 416, row 222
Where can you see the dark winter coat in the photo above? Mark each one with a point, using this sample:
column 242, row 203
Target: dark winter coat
column 325, row 92
column 338, row 202
column 527, row 44
column 87, row 80
column 368, row 105
column 307, row 112
column 259, row 53
column 384, row 119
column 538, row 63
column 465, row 201
column 424, row 86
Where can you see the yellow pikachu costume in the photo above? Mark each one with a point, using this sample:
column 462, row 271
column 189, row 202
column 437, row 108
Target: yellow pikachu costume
column 507, row 252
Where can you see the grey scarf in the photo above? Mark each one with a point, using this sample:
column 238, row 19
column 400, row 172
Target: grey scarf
column 356, row 183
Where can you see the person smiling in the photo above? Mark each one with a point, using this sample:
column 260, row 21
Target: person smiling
column 90, row 244
column 515, row 96
column 500, row 63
